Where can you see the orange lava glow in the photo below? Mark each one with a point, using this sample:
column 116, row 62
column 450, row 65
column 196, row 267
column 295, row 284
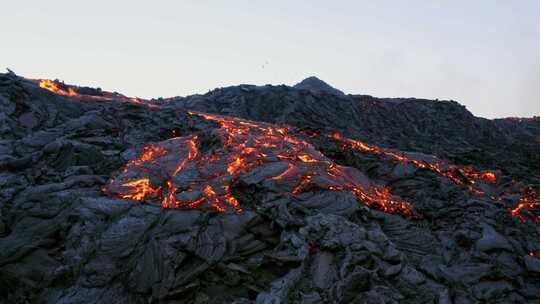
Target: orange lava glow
column 62, row 89
column 190, row 179
column 178, row 175
column 529, row 201
column 138, row 189
column 56, row 88
column 466, row 176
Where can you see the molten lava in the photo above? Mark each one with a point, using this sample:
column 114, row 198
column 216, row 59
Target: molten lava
column 529, row 201
column 138, row 189
column 178, row 175
column 62, row 89
column 248, row 145
column 57, row 88
column 466, row 176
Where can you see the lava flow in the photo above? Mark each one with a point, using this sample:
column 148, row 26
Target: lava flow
column 465, row 176
column 529, row 201
column 62, row 89
column 176, row 173
column 57, row 88
column 183, row 177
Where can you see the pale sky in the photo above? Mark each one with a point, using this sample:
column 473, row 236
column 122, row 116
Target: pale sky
column 484, row 54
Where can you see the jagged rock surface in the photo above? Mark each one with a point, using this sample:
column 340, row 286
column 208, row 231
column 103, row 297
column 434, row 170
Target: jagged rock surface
column 316, row 86
column 63, row 241
column 442, row 128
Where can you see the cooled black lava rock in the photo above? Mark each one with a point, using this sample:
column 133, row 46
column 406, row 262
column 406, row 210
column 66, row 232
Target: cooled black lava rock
column 316, row 85
column 63, row 240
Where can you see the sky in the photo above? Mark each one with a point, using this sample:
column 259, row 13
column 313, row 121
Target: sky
column 483, row 54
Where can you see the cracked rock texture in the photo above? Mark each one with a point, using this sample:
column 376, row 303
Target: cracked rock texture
column 63, row 241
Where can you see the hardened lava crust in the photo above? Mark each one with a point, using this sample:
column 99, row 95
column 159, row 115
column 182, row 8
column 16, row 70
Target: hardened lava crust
column 263, row 194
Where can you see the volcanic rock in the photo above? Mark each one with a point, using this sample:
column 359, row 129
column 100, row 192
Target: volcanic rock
column 492, row 240
column 270, row 194
column 317, row 86
column 532, row 263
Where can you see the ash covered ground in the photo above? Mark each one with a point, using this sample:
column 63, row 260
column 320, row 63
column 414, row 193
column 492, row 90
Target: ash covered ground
column 263, row 194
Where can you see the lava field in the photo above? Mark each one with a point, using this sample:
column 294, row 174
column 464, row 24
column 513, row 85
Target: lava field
column 263, row 194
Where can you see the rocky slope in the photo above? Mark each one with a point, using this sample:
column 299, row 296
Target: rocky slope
column 443, row 128
column 313, row 197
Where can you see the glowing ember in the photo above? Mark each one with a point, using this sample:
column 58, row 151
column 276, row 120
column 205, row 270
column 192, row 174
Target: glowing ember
column 150, row 153
column 190, row 179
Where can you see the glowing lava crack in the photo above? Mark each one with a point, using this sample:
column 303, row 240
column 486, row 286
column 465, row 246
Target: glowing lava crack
column 176, row 173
